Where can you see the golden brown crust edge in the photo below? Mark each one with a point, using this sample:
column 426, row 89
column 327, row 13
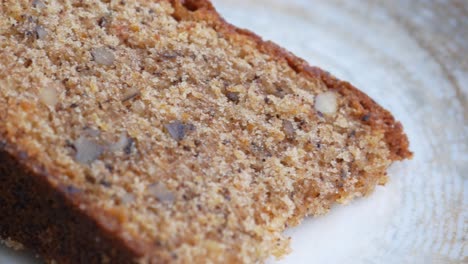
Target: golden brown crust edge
column 366, row 109
column 72, row 235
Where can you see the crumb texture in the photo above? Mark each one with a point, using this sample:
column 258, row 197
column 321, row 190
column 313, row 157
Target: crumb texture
column 191, row 141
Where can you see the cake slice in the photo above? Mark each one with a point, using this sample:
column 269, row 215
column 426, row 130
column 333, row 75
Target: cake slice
column 155, row 132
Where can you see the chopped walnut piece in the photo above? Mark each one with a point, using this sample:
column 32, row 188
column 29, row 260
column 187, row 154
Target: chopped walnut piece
column 326, row 103
column 48, row 96
column 130, row 94
column 130, row 146
column 103, row 56
column 38, row 4
column 288, row 129
column 138, row 107
column 40, row 32
column 103, row 21
column 161, row 192
column 87, row 150
column 233, row 96
column 178, row 130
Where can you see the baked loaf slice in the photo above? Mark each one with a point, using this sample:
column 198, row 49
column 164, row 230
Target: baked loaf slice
column 155, row 132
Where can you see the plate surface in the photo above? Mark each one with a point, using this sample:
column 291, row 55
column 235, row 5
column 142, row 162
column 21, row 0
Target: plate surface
column 412, row 58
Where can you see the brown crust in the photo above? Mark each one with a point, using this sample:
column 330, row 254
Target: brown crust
column 63, row 231
column 47, row 217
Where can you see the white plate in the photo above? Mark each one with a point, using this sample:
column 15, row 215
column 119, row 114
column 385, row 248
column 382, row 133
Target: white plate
column 411, row 57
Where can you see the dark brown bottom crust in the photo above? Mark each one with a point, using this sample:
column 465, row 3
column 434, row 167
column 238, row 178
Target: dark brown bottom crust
column 35, row 214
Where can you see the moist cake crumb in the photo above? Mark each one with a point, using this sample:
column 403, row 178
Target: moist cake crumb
column 155, row 132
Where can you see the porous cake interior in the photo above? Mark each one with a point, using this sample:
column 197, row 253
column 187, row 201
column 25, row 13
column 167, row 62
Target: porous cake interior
column 193, row 141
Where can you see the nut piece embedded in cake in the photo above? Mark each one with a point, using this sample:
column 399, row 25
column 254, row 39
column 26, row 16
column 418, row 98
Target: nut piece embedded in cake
column 326, row 103
column 48, row 96
column 103, row 56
